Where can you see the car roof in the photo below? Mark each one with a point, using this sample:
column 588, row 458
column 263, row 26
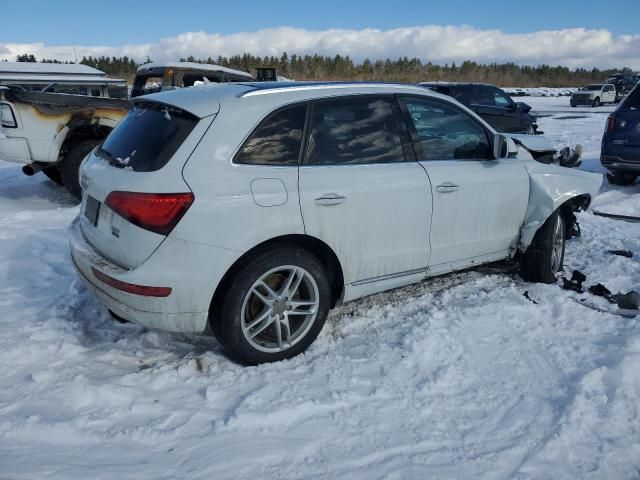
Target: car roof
column 191, row 66
column 205, row 100
column 455, row 84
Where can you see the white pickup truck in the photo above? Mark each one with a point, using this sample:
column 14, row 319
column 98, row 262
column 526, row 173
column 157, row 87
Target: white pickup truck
column 54, row 132
column 594, row 95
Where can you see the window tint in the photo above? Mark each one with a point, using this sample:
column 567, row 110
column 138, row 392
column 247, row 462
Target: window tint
column 354, row 131
column 277, row 139
column 500, row 99
column 446, row 133
column 465, row 94
column 146, row 139
column 633, row 100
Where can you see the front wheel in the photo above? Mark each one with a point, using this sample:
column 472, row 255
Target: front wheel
column 274, row 307
column 545, row 256
column 596, row 102
column 621, row 178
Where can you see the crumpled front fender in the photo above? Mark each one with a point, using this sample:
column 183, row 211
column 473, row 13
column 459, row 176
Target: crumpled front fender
column 551, row 186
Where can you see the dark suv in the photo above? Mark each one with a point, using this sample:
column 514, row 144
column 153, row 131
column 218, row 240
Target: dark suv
column 492, row 104
column 620, row 153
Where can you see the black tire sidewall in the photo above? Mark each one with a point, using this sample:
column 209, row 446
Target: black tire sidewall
column 536, row 261
column 70, row 166
column 621, row 179
column 227, row 327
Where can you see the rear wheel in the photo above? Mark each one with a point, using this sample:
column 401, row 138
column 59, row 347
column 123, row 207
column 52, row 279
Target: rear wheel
column 274, row 307
column 545, row 256
column 621, row 178
column 69, row 167
column 53, row 173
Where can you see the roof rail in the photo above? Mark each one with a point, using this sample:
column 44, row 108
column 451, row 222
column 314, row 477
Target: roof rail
column 298, row 87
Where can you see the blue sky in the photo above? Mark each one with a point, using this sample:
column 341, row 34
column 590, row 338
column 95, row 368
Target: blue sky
column 119, row 22
column 573, row 33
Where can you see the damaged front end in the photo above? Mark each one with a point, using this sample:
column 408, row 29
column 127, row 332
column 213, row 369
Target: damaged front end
column 544, row 152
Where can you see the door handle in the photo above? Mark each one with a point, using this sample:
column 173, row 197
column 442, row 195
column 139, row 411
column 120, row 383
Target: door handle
column 447, row 187
column 330, row 199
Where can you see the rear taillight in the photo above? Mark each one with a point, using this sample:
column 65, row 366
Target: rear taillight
column 130, row 287
column 157, row 212
column 611, row 123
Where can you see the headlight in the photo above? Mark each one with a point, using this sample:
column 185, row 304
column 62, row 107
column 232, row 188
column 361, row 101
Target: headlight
column 7, row 118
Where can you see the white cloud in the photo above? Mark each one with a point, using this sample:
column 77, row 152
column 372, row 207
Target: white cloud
column 576, row 47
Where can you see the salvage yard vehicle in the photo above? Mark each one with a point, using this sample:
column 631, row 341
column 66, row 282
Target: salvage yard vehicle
column 623, row 83
column 252, row 209
column 491, row 103
column 620, row 152
column 594, row 95
column 157, row 77
column 53, row 133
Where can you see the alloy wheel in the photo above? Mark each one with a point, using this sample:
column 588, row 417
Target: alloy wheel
column 279, row 308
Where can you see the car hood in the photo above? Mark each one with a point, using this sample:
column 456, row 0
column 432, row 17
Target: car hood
column 591, row 93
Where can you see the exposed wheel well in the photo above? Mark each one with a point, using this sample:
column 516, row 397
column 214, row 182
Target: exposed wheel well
column 80, row 133
column 568, row 209
column 315, row 246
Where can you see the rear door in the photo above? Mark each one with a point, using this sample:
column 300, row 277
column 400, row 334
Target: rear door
column 361, row 192
column 479, row 203
column 498, row 110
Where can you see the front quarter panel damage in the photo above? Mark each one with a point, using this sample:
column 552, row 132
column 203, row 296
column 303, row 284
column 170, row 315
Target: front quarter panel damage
column 550, row 187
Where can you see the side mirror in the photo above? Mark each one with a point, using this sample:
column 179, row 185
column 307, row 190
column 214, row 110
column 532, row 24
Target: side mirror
column 522, row 107
column 504, row 147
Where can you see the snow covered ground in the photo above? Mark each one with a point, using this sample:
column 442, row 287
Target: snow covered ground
column 458, row 377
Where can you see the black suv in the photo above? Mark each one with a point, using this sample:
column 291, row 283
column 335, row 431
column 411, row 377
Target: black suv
column 492, row 104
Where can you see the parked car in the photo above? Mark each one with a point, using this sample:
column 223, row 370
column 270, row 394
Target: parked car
column 623, row 83
column 620, row 153
column 53, row 133
column 594, row 95
column 492, row 104
column 252, row 209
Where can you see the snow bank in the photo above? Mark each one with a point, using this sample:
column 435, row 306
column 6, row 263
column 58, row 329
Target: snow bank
column 458, row 377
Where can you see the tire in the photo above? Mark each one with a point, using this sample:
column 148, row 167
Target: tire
column 71, row 164
column 573, row 105
column 621, row 178
column 596, row 102
column 53, row 173
column 545, row 256
column 252, row 321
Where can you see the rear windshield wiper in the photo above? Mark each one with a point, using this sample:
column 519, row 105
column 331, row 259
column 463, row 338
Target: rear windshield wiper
column 116, row 162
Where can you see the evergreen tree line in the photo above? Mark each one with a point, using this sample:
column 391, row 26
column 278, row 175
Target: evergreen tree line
column 404, row 69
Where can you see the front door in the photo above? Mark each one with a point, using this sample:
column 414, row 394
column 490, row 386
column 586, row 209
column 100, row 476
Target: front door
column 479, row 203
column 358, row 192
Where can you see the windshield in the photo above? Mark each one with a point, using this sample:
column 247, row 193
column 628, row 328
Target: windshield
column 146, row 139
column 592, row 88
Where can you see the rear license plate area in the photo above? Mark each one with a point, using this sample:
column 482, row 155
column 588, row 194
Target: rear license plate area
column 91, row 210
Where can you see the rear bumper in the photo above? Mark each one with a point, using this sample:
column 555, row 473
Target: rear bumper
column 620, row 158
column 192, row 282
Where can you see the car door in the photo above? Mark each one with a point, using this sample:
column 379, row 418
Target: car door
column 498, row 110
column 361, row 192
column 479, row 202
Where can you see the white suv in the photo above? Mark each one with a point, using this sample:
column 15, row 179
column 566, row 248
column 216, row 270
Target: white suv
column 252, row 209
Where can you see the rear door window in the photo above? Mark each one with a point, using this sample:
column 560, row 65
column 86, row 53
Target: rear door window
column 146, row 139
column 361, row 130
column 445, row 132
column 277, row 140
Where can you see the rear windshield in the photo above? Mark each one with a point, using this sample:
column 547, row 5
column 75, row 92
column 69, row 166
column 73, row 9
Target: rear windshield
column 147, row 137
